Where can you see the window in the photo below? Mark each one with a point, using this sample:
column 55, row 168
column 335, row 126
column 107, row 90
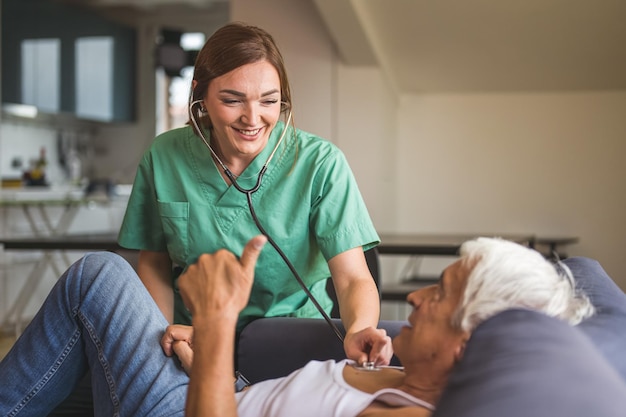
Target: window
column 173, row 91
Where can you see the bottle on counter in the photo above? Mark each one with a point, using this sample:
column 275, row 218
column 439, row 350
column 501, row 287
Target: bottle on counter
column 74, row 167
column 37, row 174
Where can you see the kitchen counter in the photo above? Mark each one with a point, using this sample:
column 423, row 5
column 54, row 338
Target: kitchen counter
column 41, row 194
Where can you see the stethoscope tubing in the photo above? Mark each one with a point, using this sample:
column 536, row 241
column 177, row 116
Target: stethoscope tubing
column 291, row 267
column 248, row 193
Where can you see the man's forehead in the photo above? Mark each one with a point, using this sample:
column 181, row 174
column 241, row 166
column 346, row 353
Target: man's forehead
column 455, row 276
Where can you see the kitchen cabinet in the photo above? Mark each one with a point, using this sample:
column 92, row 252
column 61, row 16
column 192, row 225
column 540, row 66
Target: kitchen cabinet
column 40, row 75
column 63, row 58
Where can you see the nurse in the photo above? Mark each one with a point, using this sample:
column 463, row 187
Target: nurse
column 184, row 201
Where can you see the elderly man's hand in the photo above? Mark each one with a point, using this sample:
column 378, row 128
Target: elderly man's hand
column 219, row 284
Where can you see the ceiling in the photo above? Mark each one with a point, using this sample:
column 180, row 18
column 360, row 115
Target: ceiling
column 426, row 46
column 484, row 45
column 147, row 4
column 173, row 12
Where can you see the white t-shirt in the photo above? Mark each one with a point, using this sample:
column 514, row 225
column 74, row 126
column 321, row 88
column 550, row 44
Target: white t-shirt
column 317, row 389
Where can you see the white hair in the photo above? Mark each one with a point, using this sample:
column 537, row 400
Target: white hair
column 507, row 275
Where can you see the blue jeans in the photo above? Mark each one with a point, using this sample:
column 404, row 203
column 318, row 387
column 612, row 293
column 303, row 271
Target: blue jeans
column 98, row 316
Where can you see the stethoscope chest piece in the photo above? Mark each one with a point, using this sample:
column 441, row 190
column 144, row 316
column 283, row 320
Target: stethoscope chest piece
column 367, row 366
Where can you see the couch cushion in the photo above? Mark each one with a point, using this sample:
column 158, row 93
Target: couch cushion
column 607, row 328
column 523, row 363
column 275, row 347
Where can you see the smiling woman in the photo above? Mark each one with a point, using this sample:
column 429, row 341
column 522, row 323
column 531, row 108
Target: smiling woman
column 241, row 167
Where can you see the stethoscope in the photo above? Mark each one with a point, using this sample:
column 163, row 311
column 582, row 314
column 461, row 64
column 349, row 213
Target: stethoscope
column 248, row 193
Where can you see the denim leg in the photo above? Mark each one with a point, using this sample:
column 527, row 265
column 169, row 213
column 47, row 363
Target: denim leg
column 98, row 316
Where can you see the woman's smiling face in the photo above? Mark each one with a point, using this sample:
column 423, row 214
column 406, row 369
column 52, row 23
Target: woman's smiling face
column 244, row 106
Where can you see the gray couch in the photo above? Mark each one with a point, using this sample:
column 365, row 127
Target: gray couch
column 518, row 363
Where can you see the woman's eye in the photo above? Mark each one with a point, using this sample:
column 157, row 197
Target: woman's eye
column 270, row 102
column 230, row 101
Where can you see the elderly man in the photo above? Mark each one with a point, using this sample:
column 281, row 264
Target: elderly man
column 491, row 276
column 100, row 316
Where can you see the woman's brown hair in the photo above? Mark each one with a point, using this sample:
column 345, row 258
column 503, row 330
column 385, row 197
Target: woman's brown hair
column 230, row 47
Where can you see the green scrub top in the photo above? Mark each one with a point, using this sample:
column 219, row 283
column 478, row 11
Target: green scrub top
column 309, row 203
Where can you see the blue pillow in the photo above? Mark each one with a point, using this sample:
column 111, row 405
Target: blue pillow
column 522, row 363
column 607, row 328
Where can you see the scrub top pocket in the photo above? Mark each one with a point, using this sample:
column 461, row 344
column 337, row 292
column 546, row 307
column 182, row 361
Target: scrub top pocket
column 175, row 221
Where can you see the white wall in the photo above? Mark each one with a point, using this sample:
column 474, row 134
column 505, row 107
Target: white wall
column 549, row 164
column 366, row 132
column 14, row 146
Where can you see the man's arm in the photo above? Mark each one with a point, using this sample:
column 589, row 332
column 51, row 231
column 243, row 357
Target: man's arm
column 211, row 388
column 215, row 290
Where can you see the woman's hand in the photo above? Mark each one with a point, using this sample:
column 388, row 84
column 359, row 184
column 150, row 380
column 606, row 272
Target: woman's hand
column 369, row 345
column 359, row 306
column 178, row 340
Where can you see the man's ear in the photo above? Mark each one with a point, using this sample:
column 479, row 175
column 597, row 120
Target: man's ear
column 460, row 348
